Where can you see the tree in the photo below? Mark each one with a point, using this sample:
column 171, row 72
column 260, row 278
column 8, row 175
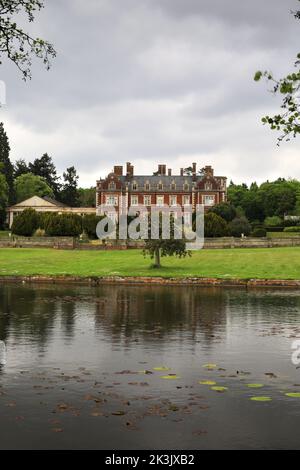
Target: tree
column 20, row 168
column 87, row 197
column 236, row 193
column 188, row 171
column 30, row 185
column 69, row 193
column 225, row 210
column 287, row 121
column 214, row 225
column 16, row 44
column 159, row 248
column 239, row 226
column 26, row 223
column 7, row 167
column 45, row 168
column 278, row 198
column 3, row 198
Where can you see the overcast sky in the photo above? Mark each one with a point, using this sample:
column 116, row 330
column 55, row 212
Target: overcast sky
column 156, row 81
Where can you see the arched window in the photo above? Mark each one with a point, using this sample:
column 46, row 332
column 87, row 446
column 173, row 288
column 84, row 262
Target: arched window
column 186, row 186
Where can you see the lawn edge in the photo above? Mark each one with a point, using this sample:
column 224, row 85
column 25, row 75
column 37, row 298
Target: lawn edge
column 148, row 280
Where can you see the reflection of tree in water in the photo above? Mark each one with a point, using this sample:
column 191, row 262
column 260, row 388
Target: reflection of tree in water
column 26, row 311
column 159, row 312
column 68, row 316
column 264, row 306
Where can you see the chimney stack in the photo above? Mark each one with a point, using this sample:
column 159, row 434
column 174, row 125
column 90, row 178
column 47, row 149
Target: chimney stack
column 169, row 172
column 129, row 169
column 162, row 170
column 181, row 171
column 208, row 170
column 118, row 170
column 194, row 171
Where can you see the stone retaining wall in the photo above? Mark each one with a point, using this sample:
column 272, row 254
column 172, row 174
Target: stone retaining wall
column 209, row 244
column 64, row 243
column 136, row 281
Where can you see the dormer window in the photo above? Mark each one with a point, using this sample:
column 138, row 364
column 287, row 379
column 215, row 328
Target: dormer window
column 208, row 186
column 173, row 186
column 112, row 185
column 186, row 186
column 147, row 186
column 160, row 186
column 134, row 186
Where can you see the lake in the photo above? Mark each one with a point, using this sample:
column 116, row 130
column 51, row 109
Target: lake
column 118, row 367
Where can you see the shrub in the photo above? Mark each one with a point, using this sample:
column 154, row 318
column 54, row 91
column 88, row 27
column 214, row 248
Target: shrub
column 239, row 226
column 66, row 225
column 274, row 229
column 214, row 225
column 292, row 229
column 89, row 224
column 25, row 223
column 259, row 232
column 274, row 221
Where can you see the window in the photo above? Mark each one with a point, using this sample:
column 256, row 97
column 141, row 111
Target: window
column 147, row 186
column 173, row 200
column 111, row 200
column 209, row 200
column 208, row 186
column 160, row 201
column 147, row 200
column 134, row 200
column 186, row 186
column 160, row 186
column 134, row 186
column 112, row 185
column 173, row 186
column 186, row 200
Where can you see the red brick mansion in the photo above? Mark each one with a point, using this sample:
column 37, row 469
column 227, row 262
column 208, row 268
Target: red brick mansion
column 190, row 187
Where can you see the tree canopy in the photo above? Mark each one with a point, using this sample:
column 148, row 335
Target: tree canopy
column 288, row 120
column 30, row 185
column 18, row 45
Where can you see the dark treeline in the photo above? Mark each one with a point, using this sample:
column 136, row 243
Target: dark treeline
column 22, row 180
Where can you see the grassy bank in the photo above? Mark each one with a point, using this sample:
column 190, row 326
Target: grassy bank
column 275, row 263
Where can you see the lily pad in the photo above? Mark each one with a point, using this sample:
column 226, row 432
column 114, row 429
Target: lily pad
column 207, row 382
column 263, row 399
column 255, row 385
column 170, row 377
column 161, row 368
column 293, row 395
column 210, row 366
column 219, row 389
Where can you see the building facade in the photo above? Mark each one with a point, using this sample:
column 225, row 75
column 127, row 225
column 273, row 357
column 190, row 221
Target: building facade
column 161, row 188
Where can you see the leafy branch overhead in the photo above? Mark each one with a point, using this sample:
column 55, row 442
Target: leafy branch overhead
column 288, row 121
column 18, row 45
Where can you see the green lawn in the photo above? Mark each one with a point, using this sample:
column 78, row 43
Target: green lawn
column 272, row 263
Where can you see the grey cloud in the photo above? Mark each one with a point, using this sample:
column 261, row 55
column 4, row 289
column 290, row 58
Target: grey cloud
column 149, row 80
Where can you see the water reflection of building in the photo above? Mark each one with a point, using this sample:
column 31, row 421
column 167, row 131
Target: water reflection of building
column 150, row 313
